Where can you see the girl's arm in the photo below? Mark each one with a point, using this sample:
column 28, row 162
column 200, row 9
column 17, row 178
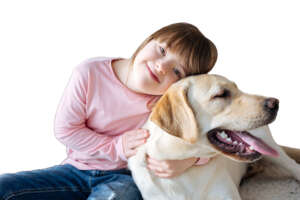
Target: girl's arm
column 172, row 168
column 70, row 122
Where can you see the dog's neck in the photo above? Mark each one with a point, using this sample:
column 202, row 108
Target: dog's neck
column 163, row 146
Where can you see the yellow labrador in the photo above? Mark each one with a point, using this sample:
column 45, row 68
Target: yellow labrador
column 207, row 116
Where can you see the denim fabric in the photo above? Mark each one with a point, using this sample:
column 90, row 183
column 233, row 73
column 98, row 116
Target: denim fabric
column 66, row 182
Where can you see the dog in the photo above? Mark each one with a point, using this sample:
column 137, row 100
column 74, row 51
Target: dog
column 207, row 116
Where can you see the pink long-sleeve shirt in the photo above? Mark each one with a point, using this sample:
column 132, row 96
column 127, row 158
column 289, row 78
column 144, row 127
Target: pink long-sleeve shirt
column 93, row 113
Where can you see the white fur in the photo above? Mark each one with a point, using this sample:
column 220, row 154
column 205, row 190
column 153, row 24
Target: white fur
column 219, row 179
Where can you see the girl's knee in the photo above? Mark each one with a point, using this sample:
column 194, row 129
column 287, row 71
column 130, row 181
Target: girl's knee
column 116, row 191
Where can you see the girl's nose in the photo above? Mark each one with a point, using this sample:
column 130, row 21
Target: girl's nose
column 161, row 68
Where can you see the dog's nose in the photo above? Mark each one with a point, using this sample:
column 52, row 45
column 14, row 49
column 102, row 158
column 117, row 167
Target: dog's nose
column 271, row 104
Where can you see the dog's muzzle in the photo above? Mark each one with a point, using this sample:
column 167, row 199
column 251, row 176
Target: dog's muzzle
column 239, row 145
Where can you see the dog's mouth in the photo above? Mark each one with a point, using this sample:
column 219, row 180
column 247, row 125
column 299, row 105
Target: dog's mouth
column 239, row 145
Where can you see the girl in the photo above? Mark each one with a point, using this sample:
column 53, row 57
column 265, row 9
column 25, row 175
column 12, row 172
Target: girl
column 100, row 116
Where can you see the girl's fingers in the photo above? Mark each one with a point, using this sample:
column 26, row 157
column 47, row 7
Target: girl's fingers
column 139, row 136
column 136, row 143
column 160, row 172
column 156, row 169
column 158, row 163
column 131, row 152
column 158, row 166
column 138, row 132
column 133, row 139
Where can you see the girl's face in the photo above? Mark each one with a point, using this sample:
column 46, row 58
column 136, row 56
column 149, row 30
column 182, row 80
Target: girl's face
column 155, row 68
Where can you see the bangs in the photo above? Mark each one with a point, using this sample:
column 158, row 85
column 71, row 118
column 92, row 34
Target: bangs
column 196, row 51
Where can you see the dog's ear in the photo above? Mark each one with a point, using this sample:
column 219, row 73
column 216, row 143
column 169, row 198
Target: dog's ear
column 174, row 115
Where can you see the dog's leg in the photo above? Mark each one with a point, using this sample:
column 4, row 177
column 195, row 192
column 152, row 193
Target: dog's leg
column 283, row 160
column 220, row 191
column 292, row 152
column 222, row 187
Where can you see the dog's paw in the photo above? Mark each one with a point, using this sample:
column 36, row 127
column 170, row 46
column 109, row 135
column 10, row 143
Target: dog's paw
column 295, row 171
column 297, row 176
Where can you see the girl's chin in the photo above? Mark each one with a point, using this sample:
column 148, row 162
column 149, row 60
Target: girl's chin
column 146, row 85
column 150, row 91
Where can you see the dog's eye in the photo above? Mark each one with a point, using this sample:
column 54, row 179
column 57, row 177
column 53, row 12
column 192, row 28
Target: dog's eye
column 222, row 94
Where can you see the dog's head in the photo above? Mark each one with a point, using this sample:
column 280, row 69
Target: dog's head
column 210, row 110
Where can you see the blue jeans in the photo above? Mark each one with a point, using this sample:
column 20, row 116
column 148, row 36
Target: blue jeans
column 67, row 182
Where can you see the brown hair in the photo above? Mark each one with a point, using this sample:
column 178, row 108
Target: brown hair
column 185, row 40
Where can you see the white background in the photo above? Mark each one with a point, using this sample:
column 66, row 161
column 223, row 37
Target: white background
column 42, row 41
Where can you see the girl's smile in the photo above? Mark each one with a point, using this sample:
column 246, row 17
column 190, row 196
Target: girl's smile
column 152, row 74
column 154, row 69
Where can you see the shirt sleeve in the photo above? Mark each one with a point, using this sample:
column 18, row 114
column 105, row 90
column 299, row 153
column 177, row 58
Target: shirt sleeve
column 70, row 122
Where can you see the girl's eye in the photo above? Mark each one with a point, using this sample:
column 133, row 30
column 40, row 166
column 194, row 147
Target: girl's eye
column 177, row 72
column 162, row 51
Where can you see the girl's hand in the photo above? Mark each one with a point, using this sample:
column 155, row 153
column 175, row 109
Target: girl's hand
column 169, row 168
column 132, row 140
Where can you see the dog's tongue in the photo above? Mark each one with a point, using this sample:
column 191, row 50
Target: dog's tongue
column 258, row 145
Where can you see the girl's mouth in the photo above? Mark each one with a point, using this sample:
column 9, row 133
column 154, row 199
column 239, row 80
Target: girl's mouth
column 153, row 76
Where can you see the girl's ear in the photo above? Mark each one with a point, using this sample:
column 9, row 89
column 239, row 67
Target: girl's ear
column 173, row 114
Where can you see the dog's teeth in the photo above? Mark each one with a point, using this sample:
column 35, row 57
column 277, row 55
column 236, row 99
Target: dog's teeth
column 240, row 143
column 229, row 139
column 235, row 142
column 223, row 135
column 251, row 148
